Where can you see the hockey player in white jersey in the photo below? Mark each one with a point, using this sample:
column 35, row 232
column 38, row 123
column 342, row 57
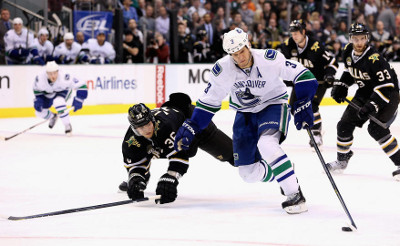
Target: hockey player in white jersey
column 68, row 51
column 19, row 45
column 254, row 80
column 54, row 87
column 44, row 46
column 99, row 50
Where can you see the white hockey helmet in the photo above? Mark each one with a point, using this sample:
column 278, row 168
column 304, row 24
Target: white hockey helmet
column 68, row 35
column 51, row 66
column 17, row 20
column 43, row 31
column 235, row 40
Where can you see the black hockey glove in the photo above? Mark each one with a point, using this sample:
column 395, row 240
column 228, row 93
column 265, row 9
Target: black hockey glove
column 136, row 186
column 167, row 188
column 339, row 91
column 329, row 79
column 367, row 109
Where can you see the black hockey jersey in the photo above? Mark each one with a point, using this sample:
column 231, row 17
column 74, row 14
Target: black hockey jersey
column 374, row 76
column 315, row 57
column 138, row 151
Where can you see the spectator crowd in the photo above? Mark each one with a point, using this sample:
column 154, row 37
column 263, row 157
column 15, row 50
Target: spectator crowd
column 200, row 28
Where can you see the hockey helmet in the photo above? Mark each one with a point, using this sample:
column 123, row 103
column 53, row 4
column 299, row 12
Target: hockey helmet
column 51, row 66
column 235, row 40
column 358, row 29
column 140, row 115
column 17, row 20
column 297, row 25
column 201, row 34
column 68, row 35
column 43, row 31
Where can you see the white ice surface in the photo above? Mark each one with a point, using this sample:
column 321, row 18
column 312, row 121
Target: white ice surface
column 43, row 171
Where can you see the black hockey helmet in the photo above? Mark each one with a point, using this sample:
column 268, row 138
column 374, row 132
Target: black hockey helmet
column 201, row 34
column 140, row 115
column 297, row 25
column 358, row 29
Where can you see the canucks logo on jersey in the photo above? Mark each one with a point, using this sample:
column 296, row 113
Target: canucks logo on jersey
column 246, row 98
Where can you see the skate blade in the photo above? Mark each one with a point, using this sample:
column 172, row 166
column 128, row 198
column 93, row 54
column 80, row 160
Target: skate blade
column 296, row 209
column 69, row 134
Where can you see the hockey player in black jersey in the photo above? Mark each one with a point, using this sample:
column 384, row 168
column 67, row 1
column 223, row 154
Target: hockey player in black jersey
column 151, row 135
column 377, row 95
column 312, row 54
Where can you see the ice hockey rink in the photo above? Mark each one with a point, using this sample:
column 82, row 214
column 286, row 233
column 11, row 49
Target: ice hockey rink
column 43, row 171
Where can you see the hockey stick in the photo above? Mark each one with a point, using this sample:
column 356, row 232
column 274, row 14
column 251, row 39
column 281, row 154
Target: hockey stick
column 378, row 122
column 74, row 210
column 19, row 133
column 330, row 177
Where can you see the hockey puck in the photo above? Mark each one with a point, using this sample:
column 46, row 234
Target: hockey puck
column 346, row 228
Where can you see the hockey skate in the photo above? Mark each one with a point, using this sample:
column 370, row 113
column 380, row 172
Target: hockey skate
column 295, row 203
column 68, row 130
column 123, row 187
column 396, row 174
column 340, row 164
column 52, row 121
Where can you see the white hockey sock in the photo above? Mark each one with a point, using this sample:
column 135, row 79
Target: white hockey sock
column 280, row 164
column 45, row 113
column 256, row 172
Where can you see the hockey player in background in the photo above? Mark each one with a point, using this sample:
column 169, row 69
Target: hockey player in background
column 19, row 45
column 322, row 63
column 99, row 50
column 151, row 135
column 67, row 52
column 54, row 87
column 253, row 77
column 377, row 95
column 44, row 46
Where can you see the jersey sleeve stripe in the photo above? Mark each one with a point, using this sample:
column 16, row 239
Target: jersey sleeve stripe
column 305, row 76
column 207, row 107
column 180, row 160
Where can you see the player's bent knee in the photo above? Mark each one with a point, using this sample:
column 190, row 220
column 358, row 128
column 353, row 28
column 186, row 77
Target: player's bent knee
column 249, row 173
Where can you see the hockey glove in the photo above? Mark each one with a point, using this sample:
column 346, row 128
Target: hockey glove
column 339, row 91
column 167, row 188
column 329, row 79
column 38, row 103
column 185, row 135
column 38, row 60
column 77, row 103
column 136, row 186
column 303, row 113
column 367, row 109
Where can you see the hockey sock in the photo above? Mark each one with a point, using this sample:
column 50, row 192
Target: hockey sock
column 344, row 145
column 391, row 148
column 317, row 121
column 45, row 113
column 256, row 172
column 268, row 176
column 63, row 114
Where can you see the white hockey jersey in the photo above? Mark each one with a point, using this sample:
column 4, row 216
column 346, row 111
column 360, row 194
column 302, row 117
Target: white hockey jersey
column 255, row 89
column 44, row 50
column 95, row 50
column 64, row 82
column 14, row 41
column 71, row 54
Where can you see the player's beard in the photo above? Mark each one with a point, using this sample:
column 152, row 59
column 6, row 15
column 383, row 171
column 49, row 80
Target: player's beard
column 358, row 50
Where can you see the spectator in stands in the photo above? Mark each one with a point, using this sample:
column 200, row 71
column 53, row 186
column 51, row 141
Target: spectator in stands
column 162, row 22
column 80, row 38
column 19, row 45
column 158, row 50
column 273, row 33
column 195, row 24
column 132, row 26
column 44, row 46
column 99, row 50
column 141, row 8
column 237, row 19
column 147, row 23
column 133, row 48
column 218, row 37
column 381, row 39
column 5, row 25
column 318, row 32
column 196, row 7
column 185, row 45
column 129, row 12
column 393, row 52
column 68, row 51
column 370, row 8
column 246, row 13
column 387, row 16
column 220, row 15
column 342, row 33
column 208, row 27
